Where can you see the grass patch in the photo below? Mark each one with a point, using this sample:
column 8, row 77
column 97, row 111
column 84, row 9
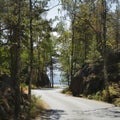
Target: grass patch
column 117, row 102
column 67, row 91
column 114, row 97
column 97, row 96
column 37, row 106
column 57, row 87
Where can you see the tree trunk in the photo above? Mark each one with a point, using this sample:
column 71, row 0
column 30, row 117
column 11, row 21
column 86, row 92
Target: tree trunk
column 104, row 30
column 72, row 51
column 117, row 26
column 51, row 73
column 31, row 50
column 15, row 39
column 39, row 69
column 85, row 47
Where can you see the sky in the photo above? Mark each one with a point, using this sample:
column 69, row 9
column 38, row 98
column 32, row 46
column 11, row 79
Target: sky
column 55, row 11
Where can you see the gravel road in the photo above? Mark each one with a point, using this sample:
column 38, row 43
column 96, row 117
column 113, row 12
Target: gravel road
column 63, row 107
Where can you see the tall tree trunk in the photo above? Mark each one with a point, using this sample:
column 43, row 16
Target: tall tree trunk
column 117, row 26
column 15, row 38
column 72, row 51
column 73, row 40
column 0, row 30
column 51, row 73
column 104, row 30
column 39, row 69
column 68, row 78
column 85, row 47
column 31, row 50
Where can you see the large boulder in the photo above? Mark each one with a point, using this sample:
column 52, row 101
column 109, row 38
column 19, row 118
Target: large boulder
column 89, row 79
column 113, row 66
column 39, row 78
column 43, row 80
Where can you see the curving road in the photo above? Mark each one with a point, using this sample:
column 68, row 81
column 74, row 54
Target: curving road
column 63, row 107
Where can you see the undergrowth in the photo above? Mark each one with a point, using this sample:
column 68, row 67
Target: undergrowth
column 114, row 97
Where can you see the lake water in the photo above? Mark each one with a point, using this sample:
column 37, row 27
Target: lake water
column 57, row 74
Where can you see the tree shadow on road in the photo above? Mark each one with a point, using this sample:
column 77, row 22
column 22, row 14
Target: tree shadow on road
column 52, row 114
column 112, row 112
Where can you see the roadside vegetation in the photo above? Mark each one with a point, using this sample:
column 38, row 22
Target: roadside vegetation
column 85, row 40
column 37, row 106
column 100, row 95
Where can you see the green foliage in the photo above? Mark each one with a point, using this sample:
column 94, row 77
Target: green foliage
column 93, row 54
column 105, row 95
column 117, row 102
column 97, row 96
column 4, row 61
column 113, row 91
column 63, row 81
column 14, row 31
column 67, row 91
column 34, row 108
column 37, row 105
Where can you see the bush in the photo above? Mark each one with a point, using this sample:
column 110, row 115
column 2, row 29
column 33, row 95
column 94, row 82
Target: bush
column 117, row 102
column 37, row 106
column 97, row 96
column 67, row 91
column 33, row 107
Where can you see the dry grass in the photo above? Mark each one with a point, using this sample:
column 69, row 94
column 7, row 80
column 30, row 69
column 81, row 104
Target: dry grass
column 42, row 105
column 37, row 106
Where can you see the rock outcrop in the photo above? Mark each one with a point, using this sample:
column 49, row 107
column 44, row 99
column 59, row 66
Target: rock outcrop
column 43, row 80
column 89, row 78
column 39, row 78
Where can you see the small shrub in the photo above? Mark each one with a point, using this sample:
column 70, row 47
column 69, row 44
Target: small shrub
column 33, row 86
column 105, row 96
column 65, row 90
column 90, row 97
column 117, row 102
column 69, row 93
column 37, row 105
column 81, row 95
column 97, row 96
column 113, row 92
column 33, row 108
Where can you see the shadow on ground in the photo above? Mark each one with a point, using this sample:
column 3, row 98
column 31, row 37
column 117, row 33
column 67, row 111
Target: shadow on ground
column 112, row 112
column 52, row 114
column 104, row 113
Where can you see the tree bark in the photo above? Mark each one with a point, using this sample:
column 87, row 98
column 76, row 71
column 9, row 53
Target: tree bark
column 117, row 26
column 72, row 51
column 15, row 38
column 31, row 50
column 39, row 69
column 51, row 73
column 104, row 30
